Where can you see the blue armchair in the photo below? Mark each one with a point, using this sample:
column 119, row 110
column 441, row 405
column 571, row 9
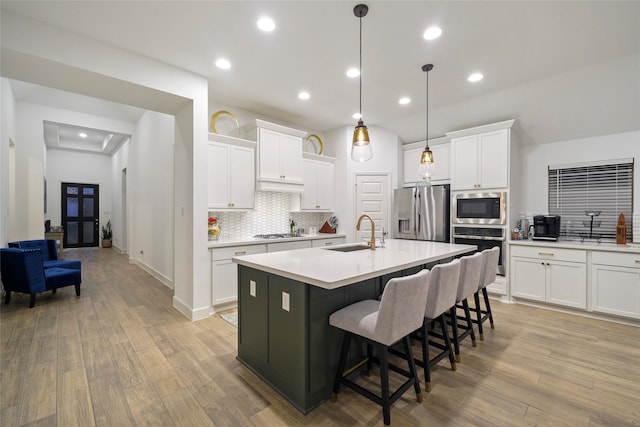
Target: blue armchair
column 49, row 253
column 22, row 270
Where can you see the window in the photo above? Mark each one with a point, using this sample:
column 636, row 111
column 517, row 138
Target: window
column 604, row 190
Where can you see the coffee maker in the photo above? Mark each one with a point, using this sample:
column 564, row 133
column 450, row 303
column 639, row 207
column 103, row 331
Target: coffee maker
column 546, row 227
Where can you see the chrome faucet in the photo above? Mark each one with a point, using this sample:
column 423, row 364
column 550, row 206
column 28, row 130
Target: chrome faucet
column 372, row 242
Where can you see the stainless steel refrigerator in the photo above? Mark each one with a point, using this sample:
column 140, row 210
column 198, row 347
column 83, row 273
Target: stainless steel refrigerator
column 422, row 213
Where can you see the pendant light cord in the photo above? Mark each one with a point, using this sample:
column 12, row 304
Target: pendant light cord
column 360, row 68
column 427, row 119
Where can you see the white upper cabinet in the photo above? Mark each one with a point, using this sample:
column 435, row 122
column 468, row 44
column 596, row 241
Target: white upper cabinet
column 231, row 173
column 279, row 157
column 480, row 160
column 411, row 163
column 318, row 192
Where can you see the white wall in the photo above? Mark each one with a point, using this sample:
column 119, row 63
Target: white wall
column 385, row 159
column 120, row 161
column 82, row 168
column 7, row 137
column 150, row 192
column 537, row 158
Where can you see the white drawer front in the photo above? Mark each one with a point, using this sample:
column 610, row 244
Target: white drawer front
column 616, row 258
column 231, row 251
column 319, row 243
column 288, row 246
column 549, row 253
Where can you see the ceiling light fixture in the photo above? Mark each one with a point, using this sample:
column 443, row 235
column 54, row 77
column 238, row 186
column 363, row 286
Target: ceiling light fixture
column 475, row 77
column 404, row 101
column 304, row 95
column 361, row 146
column 223, row 64
column 427, row 166
column 353, row 73
column 266, row 24
column 82, row 135
column 432, row 33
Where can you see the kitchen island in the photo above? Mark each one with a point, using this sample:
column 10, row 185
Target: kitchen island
column 285, row 300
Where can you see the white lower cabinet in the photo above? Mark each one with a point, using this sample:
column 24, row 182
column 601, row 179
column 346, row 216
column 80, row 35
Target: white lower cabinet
column 288, row 246
column 548, row 274
column 224, row 272
column 320, row 243
column 615, row 283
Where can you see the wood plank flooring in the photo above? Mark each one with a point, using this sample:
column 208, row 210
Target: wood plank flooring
column 120, row 355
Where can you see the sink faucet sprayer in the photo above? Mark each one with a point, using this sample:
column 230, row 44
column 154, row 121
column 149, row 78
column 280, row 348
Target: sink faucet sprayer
column 372, row 242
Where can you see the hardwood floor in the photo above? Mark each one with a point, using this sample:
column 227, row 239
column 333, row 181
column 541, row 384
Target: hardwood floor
column 121, row 355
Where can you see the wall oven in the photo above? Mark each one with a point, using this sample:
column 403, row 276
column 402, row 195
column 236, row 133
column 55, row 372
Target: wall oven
column 479, row 208
column 483, row 238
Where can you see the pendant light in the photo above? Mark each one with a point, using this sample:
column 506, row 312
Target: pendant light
column 427, row 166
column 361, row 146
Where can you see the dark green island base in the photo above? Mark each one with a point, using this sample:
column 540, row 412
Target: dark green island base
column 296, row 352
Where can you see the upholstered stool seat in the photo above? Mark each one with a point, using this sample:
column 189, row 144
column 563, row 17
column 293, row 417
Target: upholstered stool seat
column 488, row 276
column 443, row 288
column 382, row 324
column 470, row 271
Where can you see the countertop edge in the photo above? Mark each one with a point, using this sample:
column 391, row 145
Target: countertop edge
column 590, row 246
column 214, row 244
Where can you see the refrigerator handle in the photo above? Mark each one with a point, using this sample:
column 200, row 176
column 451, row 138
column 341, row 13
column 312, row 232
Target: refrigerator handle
column 419, row 213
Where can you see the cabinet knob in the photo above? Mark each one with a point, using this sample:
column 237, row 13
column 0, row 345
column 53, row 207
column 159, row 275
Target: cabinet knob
column 545, row 253
column 317, row 206
column 638, row 261
column 547, row 263
column 542, row 263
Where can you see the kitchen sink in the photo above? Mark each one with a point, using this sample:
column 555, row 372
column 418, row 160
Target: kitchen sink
column 349, row 248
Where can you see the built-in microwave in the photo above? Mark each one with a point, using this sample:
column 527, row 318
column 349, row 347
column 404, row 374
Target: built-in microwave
column 479, row 208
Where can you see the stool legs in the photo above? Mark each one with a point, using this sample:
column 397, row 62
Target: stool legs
column 344, row 352
column 476, row 299
column 384, row 380
column 485, row 294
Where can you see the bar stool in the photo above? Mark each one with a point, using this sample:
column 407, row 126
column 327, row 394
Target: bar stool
column 443, row 288
column 470, row 271
column 382, row 324
column 491, row 257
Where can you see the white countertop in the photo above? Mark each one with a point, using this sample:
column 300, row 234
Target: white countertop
column 223, row 243
column 575, row 244
column 330, row 269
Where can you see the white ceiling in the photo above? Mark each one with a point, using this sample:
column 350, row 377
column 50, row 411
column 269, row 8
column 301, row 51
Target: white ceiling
column 521, row 47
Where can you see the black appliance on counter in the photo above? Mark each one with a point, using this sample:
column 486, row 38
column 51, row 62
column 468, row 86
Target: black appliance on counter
column 546, row 227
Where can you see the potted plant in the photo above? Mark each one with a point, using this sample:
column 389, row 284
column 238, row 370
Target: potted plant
column 107, row 234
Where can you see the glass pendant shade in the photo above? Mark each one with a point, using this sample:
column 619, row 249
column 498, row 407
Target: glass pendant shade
column 361, row 147
column 427, row 167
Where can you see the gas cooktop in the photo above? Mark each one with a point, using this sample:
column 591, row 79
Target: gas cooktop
column 275, row 236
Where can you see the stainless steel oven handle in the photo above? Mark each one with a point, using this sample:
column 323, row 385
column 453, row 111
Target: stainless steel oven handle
column 466, row 236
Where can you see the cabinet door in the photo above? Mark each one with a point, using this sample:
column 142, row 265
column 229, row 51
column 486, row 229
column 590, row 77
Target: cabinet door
column 615, row 290
column 242, row 177
column 218, row 175
column 567, row 284
column 465, row 163
column 269, row 155
column 291, row 158
column 528, row 278
column 411, row 166
column 493, row 155
column 224, row 277
column 324, row 185
column 309, row 195
column 442, row 160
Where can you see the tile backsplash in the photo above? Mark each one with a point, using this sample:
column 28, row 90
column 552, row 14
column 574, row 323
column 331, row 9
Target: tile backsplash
column 271, row 215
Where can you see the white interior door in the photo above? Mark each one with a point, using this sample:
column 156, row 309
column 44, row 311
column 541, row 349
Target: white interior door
column 373, row 198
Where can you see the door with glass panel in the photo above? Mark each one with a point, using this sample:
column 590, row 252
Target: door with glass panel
column 80, row 209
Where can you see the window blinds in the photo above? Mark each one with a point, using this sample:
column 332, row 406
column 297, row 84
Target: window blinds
column 575, row 190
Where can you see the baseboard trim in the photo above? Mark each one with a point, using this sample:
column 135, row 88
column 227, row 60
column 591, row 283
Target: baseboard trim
column 156, row 274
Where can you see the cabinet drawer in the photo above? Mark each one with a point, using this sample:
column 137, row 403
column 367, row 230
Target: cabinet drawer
column 319, row 243
column 619, row 259
column 230, row 252
column 549, row 253
column 288, row 246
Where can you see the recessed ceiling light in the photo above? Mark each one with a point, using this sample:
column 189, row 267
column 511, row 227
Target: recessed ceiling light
column 353, row 72
column 432, row 33
column 266, row 24
column 223, row 64
column 83, row 135
column 304, row 95
column 404, row 101
column 356, row 116
column 475, row 77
